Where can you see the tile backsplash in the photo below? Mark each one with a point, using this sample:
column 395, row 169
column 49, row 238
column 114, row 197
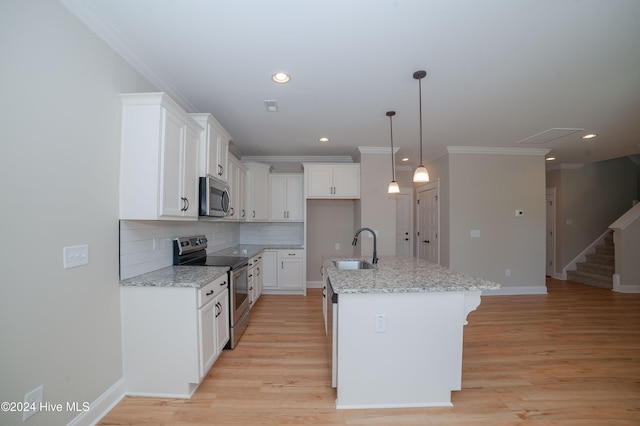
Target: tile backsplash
column 148, row 245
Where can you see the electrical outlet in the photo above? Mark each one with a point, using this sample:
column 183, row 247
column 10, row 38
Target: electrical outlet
column 519, row 213
column 507, row 272
column 32, row 401
column 337, row 246
column 381, row 323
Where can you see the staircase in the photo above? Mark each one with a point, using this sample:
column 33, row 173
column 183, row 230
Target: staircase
column 599, row 268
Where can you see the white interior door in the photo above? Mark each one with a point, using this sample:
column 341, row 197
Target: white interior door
column 551, row 231
column 404, row 222
column 428, row 224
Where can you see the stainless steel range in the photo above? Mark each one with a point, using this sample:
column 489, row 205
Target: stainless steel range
column 192, row 251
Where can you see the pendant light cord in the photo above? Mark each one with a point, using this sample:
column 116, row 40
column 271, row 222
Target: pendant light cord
column 420, row 108
column 393, row 167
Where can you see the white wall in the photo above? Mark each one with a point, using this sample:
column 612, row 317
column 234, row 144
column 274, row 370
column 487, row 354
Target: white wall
column 60, row 121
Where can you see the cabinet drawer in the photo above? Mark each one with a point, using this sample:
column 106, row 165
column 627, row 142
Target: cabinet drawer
column 291, row 254
column 211, row 290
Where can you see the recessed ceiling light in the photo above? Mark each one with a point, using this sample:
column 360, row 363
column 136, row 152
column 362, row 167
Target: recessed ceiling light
column 550, row 158
column 404, row 159
column 324, row 139
column 281, row 77
column 589, row 136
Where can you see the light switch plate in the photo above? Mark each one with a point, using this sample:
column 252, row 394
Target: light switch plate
column 74, row 256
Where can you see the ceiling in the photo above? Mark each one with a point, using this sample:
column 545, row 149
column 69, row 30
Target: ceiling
column 498, row 71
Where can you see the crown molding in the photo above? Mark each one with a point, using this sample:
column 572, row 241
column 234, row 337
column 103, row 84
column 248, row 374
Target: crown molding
column 89, row 16
column 298, row 158
column 496, row 150
column 377, row 150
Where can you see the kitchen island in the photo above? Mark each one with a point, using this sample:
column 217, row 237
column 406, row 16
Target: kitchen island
column 397, row 331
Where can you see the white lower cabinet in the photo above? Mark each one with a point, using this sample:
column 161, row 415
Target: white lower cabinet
column 172, row 336
column 284, row 272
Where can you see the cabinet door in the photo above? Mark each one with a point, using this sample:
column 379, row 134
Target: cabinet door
column 171, row 202
column 222, row 320
column 294, row 203
column 291, row 273
column 270, row 269
column 190, row 172
column 206, row 325
column 234, row 190
column 257, row 192
column 278, row 189
column 346, row 181
column 222, row 168
column 320, row 181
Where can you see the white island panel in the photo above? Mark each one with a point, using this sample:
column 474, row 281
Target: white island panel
column 416, row 362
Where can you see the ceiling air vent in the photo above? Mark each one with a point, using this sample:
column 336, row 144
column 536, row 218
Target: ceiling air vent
column 272, row 106
column 549, row 135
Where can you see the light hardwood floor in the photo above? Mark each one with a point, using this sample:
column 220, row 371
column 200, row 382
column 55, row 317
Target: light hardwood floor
column 571, row 357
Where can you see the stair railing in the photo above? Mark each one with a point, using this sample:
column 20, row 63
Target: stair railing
column 626, row 238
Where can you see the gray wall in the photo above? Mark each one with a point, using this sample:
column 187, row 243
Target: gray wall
column 329, row 222
column 588, row 200
column 484, row 192
column 59, row 179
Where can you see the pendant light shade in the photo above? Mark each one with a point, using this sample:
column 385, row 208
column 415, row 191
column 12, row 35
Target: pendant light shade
column 421, row 174
column 393, row 186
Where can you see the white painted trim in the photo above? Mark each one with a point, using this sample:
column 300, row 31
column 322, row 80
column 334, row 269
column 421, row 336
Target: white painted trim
column 583, row 255
column 564, row 166
column 619, row 288
column 89, row 16
column 496, row 150
column 516, row 291
column 374, row 406
column 377, row 150
column 298, row 158
column 626, row 219
column 101, row 406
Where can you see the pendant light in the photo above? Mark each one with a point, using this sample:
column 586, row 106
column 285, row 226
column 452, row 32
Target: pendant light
column 393, row 186
column 421, row 174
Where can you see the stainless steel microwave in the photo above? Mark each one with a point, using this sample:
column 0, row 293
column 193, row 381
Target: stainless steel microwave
column 214, row 197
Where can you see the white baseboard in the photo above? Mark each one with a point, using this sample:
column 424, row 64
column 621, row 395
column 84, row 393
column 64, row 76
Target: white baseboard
column 624, row 288
column 511, row 291
column 101, row 406
column 315, row 284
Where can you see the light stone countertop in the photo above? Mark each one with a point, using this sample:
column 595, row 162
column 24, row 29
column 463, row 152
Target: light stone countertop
column 177, row 276
column 401, row 275
column 251, row 250
column 198, row 276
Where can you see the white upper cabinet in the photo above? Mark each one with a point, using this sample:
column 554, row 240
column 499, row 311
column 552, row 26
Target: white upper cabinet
column 257, row 195
column 332, row 180
column 213, row 149
column 237, row 178
column 158, row 160
column 287, row 200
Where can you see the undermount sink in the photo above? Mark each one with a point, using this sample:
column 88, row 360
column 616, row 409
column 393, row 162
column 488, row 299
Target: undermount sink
column 353, row 264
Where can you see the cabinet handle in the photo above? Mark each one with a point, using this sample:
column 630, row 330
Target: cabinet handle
column 250, row 275
column 243, row 213
column 282, row 266
column 258, row 274
column 223, row 284
column 231, row 211
column 209, row 293
column 254, row 214
column 220, row 170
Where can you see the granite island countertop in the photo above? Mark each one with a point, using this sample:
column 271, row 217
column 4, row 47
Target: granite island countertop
column 401, row 275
